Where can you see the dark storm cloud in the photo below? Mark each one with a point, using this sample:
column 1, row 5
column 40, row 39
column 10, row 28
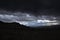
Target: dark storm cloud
column 35, row 6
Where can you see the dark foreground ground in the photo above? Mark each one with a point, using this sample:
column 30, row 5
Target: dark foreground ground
column 14, row 31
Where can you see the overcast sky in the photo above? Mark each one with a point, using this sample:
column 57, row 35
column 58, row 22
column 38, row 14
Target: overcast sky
column 35, row 6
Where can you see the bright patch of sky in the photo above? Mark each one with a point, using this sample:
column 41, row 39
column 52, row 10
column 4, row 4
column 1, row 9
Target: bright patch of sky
column 29, row 20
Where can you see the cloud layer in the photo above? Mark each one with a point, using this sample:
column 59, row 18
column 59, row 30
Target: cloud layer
column 29, row 19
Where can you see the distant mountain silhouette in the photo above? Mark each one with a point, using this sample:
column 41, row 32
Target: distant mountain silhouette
column 17, row 31
column 15, row 25
column 9, row 25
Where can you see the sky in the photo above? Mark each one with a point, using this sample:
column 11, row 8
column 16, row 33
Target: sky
column 37, row 7
column 29, row 19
